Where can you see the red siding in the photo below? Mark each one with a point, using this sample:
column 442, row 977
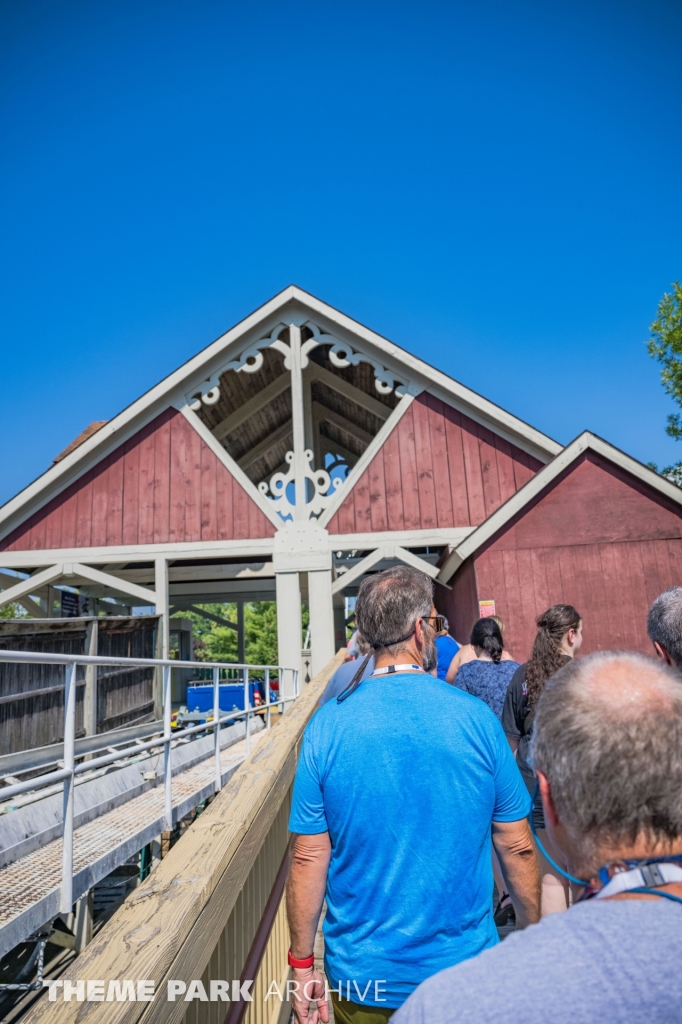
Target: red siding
column 163, row 485
column 438, row 468
column 598, row 539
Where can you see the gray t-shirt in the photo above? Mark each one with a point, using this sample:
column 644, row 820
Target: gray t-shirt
column 601, row 962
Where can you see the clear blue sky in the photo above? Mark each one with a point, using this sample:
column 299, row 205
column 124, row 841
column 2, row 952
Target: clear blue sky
column 494, row 186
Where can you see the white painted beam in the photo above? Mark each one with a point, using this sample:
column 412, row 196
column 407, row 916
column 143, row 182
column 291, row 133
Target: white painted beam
column 106, row 580
column 254, row 405
column 25, row 587
column 349, row 391
column 321, row 619
column 345, row 579
column 411, row 559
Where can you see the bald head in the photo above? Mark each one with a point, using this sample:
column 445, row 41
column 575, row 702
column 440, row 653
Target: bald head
column 608, row 737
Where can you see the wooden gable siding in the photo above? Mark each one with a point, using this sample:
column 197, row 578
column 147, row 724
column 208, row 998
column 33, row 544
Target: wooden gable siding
column 438, row 468
column 600, row 540
column 164, row 485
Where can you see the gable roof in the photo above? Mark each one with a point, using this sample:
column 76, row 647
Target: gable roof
column 542, row 480
column 173, row 389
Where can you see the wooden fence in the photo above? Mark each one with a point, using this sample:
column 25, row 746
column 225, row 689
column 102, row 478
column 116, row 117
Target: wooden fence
column 212, row 909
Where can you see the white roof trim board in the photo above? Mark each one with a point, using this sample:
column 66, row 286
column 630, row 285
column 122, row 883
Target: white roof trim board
column 542, row 479
column 199, row 367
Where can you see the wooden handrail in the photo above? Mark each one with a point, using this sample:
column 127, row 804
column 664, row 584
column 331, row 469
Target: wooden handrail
column 170, row 925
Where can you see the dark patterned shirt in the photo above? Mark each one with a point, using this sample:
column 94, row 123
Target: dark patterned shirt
column 487, row 680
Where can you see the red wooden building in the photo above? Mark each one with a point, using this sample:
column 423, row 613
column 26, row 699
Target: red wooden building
column 301, row 450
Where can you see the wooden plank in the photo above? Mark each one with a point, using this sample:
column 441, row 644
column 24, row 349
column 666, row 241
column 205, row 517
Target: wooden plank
column 69, row 512
column 162, row 473
column 639, row 594
column 488, row 456
column 170, row 925
column 665, row 576
column 377, row 493
column 362, row 504
column 246, row 411
column 53, row 524
column 472, row 468
column 84, row 498
column 459, row 488
column 540, row 584
column 393, row 480
column 145, row 497
column 615, row 589
column 115, row 498
column 176, row 529
column 651, row 578
column 131, row 490
column 439, row 453
column 192, row 482
column 100, row 495
column 523, row 468
column 349, row 391
column 240, row 502
column 209, row 493
column 408, row 470
column 224, row 504
column 425, row 466
column 505, row 468
column 624, row 596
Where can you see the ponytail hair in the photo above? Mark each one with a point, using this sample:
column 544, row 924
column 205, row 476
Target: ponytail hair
column 546, row 658
column 487, row 635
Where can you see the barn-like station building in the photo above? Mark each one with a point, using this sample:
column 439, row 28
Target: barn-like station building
column 299, row 452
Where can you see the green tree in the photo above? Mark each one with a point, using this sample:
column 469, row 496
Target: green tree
column 665, row 345
column 13, row 611
column 213, row 642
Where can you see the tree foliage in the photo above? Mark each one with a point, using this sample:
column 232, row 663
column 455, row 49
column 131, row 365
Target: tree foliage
column 665, row 345
column 213, row 642
column 13, row 611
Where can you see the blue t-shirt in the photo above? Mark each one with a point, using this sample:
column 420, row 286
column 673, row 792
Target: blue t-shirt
column 406, row 775
column 487, row 681
column 447, row 648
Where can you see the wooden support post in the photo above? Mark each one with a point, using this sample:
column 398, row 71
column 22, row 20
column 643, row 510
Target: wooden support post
column 289, row 627
column 321, row 618
column 163, row 629
column 82, row 921
column 241, row 638
column 90, row 698
column 298, row 425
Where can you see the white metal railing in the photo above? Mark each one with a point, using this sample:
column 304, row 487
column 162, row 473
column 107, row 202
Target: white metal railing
column 68, row 773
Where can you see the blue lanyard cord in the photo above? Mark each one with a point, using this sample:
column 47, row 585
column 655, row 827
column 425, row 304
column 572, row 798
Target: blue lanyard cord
column 571, row 878
column 581, row 881
column 657, row 892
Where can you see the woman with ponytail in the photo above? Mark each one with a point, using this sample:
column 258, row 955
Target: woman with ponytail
column 488, row 675
column 558, row 639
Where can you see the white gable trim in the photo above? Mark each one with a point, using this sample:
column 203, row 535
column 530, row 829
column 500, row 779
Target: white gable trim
column 247, row 331
column 541, row 480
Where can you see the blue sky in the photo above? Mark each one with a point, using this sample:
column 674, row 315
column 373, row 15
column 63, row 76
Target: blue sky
column 494, row 186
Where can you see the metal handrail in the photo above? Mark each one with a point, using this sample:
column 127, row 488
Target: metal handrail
column 68, row 773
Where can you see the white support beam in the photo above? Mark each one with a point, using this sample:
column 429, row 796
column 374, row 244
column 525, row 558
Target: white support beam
column 321, row 619
column 346, row 578
column 265, row 445
column 208, row 550
column 316, row 372
column 297, row 419
column 289, row 628
column 106, row 580
column 322, row 414
column 25, row 587
column 163, row 632
column 411, row 559
column 255, row 404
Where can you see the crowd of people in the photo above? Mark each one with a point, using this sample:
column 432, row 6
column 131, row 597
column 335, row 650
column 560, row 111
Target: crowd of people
column 433, row 769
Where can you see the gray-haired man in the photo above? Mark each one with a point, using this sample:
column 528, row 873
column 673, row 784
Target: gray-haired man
column 400, row 783
column 607, row 749
column 664, row 626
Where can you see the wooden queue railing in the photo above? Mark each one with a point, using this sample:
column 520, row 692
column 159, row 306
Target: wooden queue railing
column 212, row 910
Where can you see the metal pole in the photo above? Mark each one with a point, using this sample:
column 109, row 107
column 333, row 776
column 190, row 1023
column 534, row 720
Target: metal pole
column 216, row 728
column 167, row 746
column 267, row 698
column 247, row 708
column 66, row 898
column 282, row 676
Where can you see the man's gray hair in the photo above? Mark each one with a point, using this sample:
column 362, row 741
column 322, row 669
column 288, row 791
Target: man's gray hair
column 608, row 737
column 389, row 604
column 664, row 623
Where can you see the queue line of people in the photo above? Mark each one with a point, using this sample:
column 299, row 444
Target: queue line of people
column 400, row 815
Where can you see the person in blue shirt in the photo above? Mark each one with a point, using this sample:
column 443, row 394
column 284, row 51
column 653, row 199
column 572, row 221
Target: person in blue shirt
column 447, row 648
column 487, row 676
column 402, row 783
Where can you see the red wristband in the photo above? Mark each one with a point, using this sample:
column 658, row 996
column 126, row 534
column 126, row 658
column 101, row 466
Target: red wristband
column 293, row 962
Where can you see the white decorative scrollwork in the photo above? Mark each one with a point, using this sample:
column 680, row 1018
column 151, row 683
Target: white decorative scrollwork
column 341, row 355
column 319, row 478
column 249, row 361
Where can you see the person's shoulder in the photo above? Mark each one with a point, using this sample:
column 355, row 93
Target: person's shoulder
column 564, row 965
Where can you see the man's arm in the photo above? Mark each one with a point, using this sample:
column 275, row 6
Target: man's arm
column 520, row 869
column 305, row 894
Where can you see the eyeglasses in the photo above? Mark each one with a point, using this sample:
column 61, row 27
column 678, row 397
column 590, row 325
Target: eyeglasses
column 438, row 623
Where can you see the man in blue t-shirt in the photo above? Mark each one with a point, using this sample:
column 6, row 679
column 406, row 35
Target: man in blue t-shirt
column 399, row 786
